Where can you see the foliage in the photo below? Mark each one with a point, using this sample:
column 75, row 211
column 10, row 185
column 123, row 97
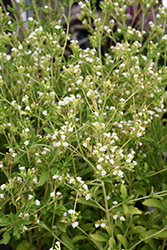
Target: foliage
column 83, row 146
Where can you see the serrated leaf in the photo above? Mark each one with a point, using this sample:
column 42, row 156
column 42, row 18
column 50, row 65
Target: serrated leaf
column 5, row 238
column 154, row 203
column 123, row 240
column 62, row 226
column 67, row 240
column 98, row 237
column 79, row 237
column 134, row 210
column 44, row 177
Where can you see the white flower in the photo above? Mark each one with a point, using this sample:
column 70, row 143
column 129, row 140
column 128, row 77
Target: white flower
column 1, row 164
column 55, row 176
column 87, row 197
column 20, row 46
column 1, row 196
column 57, row 27
column 99, row 167
column 108, row 197
column 115, row 216
column 56, row 144
column 115, row 202
column 52, row 194
column 75, row 224
column 103, row 173
column 30, row 196
column 164, row 3
column 35, row 180
column 44, row 112
column 71, row 211
column 65, row 214
column 37, row 202
column 103, row 224
column 96, row 225
column 3, row 186
column 122, row 218
column 26, row 143
column 85, row 187
column 27, row 130
column 27, row 108
column 58, row 193
column 25, row 228
column 65, row 144
column 22, row 168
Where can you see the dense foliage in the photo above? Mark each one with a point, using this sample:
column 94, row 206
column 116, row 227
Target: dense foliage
column 83, row 144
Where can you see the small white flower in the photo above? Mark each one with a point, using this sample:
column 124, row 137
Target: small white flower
column 96, row 225
column 37, row 202
column 27, row 130
column 122, row 218
column 87, row 197
column 65, row 214
column 1, row 164
column 27, row 108
column 26, row 143
column 1, row 196
column 115, row 202
column 57, row 27
column 75, row 224
column 52, row 194
column 103, row 173
column 30, row 196
column 44, row 112
column 22, row 168
column 58, row 193
column 115, row 216
column 103, row 225
column 20, row 46
column 71, row 211
column 65, row 144
column 56, row 144
column 55, row 176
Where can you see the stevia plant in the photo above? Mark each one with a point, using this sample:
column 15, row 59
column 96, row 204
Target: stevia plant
column 83, row 144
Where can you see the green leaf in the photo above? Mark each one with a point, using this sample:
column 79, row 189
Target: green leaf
column 139, row 189
column 4, row 222
column 109, row 230
column 134, row 210
column 89, row 203
column 112, row 243
column 123, row 240
column 18, row 156
column 24, row 245
column 16, row 231
column 6, row 238
column 62, row 226
column 98, row 237
column 137, row 229
column 48, row 130
column 44, row 177
column 67, row 240
column 79, row 237
column 123, row 192
column 154, row 203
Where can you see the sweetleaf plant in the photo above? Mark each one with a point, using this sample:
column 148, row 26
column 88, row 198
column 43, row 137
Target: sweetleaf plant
column 83, row 144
